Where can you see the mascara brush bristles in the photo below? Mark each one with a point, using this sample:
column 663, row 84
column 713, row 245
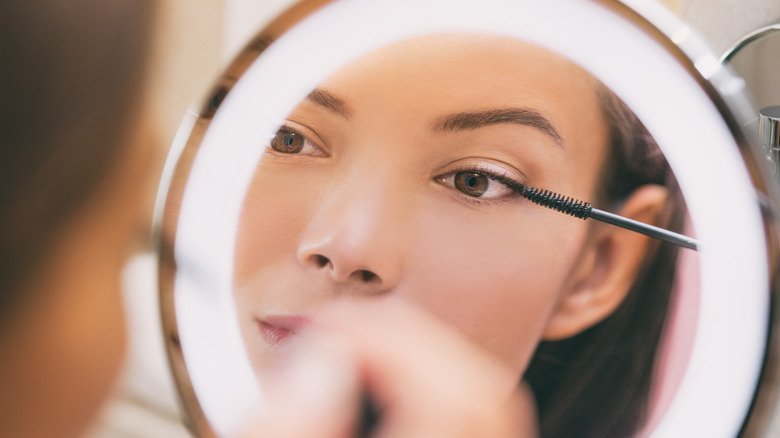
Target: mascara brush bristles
column 584, row 210
column 564, row 204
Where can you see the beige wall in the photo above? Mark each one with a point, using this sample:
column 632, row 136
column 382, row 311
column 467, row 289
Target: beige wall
column 187, row 58
column 723, row 22
column 245, row 17
column 673, row 5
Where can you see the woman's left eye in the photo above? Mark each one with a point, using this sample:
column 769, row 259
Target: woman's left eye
column 476, row 184
column 289, row 141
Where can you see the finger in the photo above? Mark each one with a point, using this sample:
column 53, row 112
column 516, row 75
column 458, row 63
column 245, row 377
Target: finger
column 399, row 342
column 312, row 389
column 427, row 379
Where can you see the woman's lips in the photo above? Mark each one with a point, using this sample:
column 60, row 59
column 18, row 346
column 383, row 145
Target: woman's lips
column 276, row 329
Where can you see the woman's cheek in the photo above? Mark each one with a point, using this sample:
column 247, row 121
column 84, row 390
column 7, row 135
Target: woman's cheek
column 277, row 209
column 495, row 284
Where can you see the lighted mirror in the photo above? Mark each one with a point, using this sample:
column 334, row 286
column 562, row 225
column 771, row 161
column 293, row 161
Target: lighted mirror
column 404, row 157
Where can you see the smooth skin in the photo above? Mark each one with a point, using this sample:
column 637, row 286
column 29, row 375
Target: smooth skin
column 386, row 183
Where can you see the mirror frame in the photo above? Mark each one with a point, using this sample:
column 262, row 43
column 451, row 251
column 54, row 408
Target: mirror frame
column 690, row 53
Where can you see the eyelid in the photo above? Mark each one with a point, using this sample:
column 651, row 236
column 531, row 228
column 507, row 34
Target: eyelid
column 512, row 179
column 503, row 173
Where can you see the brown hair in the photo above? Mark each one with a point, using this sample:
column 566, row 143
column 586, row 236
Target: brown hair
column 71, row 73
column 597, row 383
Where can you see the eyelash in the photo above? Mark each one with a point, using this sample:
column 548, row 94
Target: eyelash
column 292, row 128
column 501, row 178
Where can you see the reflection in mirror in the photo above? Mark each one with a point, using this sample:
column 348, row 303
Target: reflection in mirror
column 393, row 180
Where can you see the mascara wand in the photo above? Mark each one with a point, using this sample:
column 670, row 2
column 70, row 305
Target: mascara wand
column 584, row 210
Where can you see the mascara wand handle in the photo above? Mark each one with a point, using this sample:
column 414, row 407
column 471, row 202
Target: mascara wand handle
column 647, row 230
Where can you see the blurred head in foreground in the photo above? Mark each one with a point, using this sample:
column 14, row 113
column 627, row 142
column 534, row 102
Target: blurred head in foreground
column 73, row 158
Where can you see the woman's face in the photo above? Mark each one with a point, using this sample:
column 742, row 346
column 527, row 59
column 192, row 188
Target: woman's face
column 386, row 184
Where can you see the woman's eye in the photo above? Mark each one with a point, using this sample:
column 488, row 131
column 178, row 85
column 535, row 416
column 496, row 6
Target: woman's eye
column 288, row 141
column 476, row 184
column 472, row 184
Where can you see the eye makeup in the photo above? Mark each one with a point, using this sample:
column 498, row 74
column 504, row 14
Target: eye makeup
column 474, row 183
column 482, row 184
column 584, row 210
column 479, row 182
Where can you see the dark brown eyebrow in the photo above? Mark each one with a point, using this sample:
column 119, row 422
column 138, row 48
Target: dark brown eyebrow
column 330, row 102
column 473, row 120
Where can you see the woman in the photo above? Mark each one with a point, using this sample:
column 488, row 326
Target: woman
column 393, row 180
column 73, row 162
column 74, row 150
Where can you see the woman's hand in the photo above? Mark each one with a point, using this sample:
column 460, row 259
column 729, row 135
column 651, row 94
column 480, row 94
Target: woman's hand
column 425, row 380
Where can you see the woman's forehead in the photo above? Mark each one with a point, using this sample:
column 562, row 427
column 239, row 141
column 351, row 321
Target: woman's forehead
column 450, row 59
column 437, row 75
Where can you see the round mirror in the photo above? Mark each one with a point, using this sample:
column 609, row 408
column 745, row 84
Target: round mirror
column 381, row 150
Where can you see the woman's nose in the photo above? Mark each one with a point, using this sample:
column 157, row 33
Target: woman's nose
column 356, row 242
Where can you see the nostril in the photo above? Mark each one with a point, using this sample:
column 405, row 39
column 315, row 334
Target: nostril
column 359, row 275
column 321, row 261
column 368, row 276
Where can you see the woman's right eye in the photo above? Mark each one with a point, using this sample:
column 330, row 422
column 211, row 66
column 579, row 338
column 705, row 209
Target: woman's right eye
column 289, row 141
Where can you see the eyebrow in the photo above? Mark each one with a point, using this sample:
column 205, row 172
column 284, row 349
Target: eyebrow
column 330, row 102
column 469, row 121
